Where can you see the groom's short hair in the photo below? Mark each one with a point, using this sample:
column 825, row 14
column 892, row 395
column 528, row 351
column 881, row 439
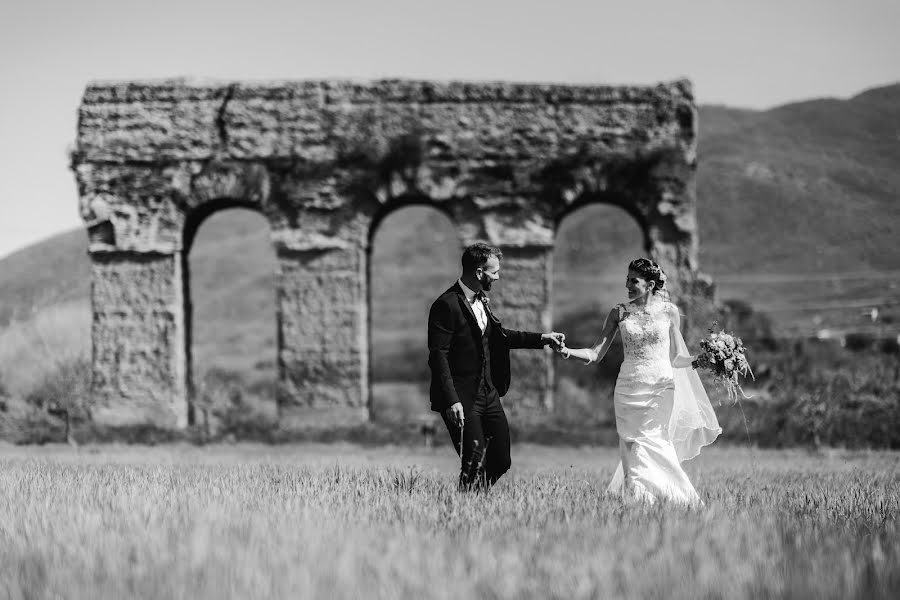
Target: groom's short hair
column 477, row 254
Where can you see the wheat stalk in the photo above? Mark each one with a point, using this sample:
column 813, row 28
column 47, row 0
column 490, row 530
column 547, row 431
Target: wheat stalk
column 462, row 457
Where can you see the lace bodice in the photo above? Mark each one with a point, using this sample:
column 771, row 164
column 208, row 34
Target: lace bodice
column 645, row 338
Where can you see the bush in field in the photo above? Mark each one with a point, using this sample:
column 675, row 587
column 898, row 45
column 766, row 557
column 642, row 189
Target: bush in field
column 890, row 345
column 818, row 393
column 754, row 328
column 225, row 403
column 64, row 393
column 856, row 405
column 3, row 395
column 219, row 393
column 45, row 373
column 860, row 341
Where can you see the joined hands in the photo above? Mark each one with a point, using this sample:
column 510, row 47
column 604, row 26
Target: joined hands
column 556, row 340
column 558, row 343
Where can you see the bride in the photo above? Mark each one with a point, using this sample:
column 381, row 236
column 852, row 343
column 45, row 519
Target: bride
column 663, row 415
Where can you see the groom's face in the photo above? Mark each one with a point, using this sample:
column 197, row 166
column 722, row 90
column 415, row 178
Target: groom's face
column 489, row 273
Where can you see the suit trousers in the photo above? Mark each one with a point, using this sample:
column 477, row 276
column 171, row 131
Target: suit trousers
column 485, row 437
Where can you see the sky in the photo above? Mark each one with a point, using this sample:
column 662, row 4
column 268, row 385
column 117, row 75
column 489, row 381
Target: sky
column 752, row 54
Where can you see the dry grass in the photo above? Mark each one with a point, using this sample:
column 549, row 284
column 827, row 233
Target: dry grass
column 343, row 522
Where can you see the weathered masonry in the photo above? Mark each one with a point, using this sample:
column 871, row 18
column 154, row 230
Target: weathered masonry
column 324, row 162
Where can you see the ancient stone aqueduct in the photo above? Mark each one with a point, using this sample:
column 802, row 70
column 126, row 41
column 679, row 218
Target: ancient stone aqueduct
column 324, row 162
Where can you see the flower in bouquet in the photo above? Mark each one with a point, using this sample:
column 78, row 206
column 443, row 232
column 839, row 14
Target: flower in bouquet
column 724, row 354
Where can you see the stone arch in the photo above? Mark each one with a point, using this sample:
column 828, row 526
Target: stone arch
column 203, row 189
column 624, row 219
column 196, row 217
column 324, row 160
column 396, row 388
column 386, row 210
column 654, row 186
column 234, row 260
column 594, row 240
column 617, row 202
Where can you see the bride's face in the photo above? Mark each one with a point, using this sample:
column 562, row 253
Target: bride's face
column 637, row 286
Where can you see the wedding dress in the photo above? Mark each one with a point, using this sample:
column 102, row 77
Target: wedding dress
column 663, row 415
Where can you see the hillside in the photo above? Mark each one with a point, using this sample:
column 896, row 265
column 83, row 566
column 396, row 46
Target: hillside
column 790, row 201
column 54, row 271
column 812, row 185
column 807, row 189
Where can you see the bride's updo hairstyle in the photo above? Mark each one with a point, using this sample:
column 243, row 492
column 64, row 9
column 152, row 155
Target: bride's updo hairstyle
column 650, row 271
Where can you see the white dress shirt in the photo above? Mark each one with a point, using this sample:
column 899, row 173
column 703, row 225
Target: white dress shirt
column 477, row 306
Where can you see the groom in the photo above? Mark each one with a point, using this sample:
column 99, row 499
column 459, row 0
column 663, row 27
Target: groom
column 468, row 352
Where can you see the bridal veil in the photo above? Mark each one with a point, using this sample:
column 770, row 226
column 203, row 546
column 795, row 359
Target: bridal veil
column 693, row 422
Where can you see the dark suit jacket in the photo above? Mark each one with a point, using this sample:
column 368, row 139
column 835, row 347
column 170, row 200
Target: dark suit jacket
column 455, row 349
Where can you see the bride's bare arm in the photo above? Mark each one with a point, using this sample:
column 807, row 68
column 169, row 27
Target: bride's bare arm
column 680, row 360
column 596, row 352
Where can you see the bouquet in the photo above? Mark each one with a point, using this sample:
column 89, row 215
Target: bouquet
column 724, row 355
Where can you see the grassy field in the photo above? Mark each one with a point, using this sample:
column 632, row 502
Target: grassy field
column 343, row 521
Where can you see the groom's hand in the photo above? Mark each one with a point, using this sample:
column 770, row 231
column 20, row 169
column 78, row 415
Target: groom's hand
column 455, row 413
column 557, row 340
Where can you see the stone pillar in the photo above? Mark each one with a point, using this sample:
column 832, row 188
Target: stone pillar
column 139, row 340
column 690, row 290
column 323, row 344
column 671, row 216
column 522, row 301
column 674, row 258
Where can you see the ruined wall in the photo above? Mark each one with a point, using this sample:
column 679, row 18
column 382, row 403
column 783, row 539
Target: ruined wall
column 324, row 161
